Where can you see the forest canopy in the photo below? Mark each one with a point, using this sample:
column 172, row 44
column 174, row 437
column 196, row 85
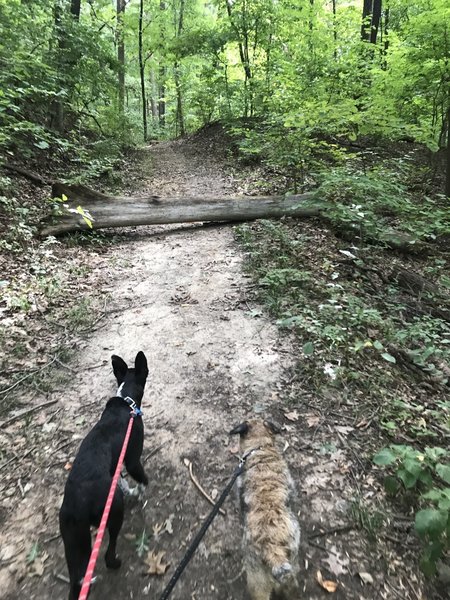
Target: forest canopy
column 159, row 68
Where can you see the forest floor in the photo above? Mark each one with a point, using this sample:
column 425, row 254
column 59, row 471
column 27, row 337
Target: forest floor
column 181, row 294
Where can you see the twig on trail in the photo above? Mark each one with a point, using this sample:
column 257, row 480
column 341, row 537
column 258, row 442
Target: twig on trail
column 391, row 587
column 26, row 412
column 416, row 595
column 11, row 387
column 16, row 457
column 323, row 548
column 52, row 539
column 60, row 577
column 66, row 443
column 332, row 531
column 65, row 366
column 153, row 452
column 199, row 487
column 20, row 486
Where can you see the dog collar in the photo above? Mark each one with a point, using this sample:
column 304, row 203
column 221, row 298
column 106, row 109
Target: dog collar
column 135, row 410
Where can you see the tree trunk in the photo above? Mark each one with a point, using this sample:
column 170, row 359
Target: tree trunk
column 75, row 9
column 179, row 115
column 366, row 20
column 154, row 95
column 121, row 54
column 142, row 72
column 162, row 77
column 376, row 16
column 115, row 211
column 447, row 179
column 335, row 29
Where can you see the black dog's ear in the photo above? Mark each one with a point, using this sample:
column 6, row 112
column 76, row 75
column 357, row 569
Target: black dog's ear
column 120, row 368
column 241, row 429
column 140, row 365
column 275, row 429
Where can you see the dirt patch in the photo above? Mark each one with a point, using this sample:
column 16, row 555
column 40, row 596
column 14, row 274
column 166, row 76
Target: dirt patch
column 180, row 295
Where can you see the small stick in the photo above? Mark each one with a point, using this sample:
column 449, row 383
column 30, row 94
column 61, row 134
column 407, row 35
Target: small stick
column 52, row 539
column 11, row 387
column 26, row 412
column 153, row 452
column 200, row 488
column 19, row 484
column 16, row 457
column 339, row 529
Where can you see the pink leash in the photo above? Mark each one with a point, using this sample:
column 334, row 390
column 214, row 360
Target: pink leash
column 101, row 530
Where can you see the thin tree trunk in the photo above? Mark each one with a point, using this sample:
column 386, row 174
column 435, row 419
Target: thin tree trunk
column 154, row 95
column 121, row 53
column 243, row 55
column 75, row 9
column 335, row 29
column 386, row 36
column 162, row 76
column 447, row 181
column 376, row 16
column 142, row 72
column 366, row 21
column 180, row 117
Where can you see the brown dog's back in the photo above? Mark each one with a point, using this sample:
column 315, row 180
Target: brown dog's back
column 271, row 530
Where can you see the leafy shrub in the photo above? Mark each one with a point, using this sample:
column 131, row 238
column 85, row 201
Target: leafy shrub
column 428, row 474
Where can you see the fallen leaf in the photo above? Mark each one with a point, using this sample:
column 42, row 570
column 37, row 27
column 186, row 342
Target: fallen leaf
column 155, row 563
column 312, row 420
column 329, row 586
column 292, row 416
column 168, row 526
column 366, row 577
column 345, row 430
column 157, row 528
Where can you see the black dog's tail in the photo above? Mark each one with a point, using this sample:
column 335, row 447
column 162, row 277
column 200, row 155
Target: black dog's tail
column 77, row 544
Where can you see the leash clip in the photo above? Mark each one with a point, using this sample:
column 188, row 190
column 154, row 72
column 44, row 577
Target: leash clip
column 243, row 458
column 135, row 410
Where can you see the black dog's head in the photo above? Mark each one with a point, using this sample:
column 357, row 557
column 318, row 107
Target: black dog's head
column 131, row 381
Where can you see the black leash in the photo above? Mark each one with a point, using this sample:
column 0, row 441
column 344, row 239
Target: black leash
column 198, row 538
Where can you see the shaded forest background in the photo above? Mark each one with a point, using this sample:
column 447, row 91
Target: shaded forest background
column 85, row 79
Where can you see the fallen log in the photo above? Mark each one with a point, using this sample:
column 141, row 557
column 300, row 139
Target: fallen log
column 124, row 211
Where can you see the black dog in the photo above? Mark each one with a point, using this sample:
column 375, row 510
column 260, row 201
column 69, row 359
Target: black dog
column 90, row 477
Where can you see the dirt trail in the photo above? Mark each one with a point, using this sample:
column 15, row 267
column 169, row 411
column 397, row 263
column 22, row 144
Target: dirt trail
column 212, row 363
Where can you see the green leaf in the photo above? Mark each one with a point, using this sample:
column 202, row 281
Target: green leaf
column 384, row 457
column 308, row 348
column 378, row 345
column 413, row 466
column 409, row 479
column 388, row 357
column 444, row 472
column 391, row 485
column 430, row 522
column 42, row 145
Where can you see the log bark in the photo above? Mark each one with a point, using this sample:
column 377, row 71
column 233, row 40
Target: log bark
column 124, row 211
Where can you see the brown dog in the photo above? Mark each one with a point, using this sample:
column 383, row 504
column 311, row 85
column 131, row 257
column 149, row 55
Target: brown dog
column 271, row 530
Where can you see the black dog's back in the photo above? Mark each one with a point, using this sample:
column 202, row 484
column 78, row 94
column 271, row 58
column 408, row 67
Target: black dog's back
column 90, row 478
